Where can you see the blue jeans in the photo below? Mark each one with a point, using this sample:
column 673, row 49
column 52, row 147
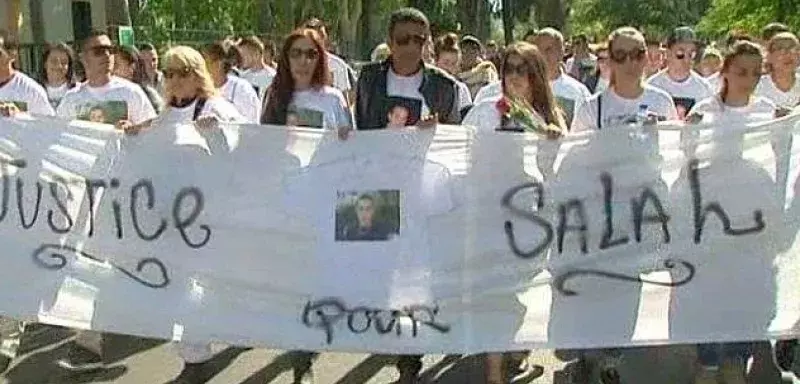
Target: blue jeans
column 711, row 355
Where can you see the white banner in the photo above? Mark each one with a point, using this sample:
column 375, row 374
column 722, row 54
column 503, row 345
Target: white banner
column 403, row 241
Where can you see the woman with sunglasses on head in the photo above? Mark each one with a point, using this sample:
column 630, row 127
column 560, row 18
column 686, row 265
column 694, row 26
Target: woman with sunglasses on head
column 221, row 58
column 627, row 94
column 129, row 65
column 58, row 71
column 448, row 57
column 737, row 103
column 523, row 80
column 300, row 87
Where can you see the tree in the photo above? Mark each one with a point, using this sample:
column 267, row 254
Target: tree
column 654, row 17
column 747, row 15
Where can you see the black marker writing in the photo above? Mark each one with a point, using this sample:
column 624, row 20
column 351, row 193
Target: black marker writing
column 147, row 185
column 637, row 210
column 582, row 227
column 20, row 198
column 507, row 202
column 62, row 206
column 324, row 314
column 183, row 223
column 608, row 233
column 701, row 212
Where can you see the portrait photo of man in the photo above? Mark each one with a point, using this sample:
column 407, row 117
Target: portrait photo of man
column 368, row 217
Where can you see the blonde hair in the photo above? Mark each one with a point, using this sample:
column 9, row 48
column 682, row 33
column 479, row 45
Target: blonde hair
column 187, row 57
column 783, row 36
column 623, row 32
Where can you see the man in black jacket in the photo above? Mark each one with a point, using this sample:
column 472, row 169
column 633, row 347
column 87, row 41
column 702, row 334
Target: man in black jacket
column 404, row 75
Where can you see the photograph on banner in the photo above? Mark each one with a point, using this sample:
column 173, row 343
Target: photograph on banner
column 108, row 112
column 367, row 215
column 21, row 105
column 304, row 117
column 403, row 111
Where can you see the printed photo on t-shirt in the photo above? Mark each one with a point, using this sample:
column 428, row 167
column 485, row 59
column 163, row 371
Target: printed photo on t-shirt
column 568, row 106
column 107, row 112
column 683, row 105
column 403, row 111
column 304, row 117
column 367, row 215
column 21, row 105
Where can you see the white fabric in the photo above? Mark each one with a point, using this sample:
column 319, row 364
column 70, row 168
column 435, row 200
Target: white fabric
column 78, row 101
column 261, row 79
column 340, row 73
column 242, row 95
column 692, row 89
column 55, row 94
column 329, row 102
column 489, row 91
column 570, row 94
column 617, row 110
column 22, row 89
column 766, row 88
column 464, row 97
column 268, row 205
column 715, row 81
column 408, row 87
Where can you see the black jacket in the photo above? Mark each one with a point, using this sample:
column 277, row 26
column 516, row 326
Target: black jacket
column 438, row 88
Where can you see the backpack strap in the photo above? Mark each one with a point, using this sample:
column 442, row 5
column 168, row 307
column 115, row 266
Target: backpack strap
column 198, row 108
column 599, row 112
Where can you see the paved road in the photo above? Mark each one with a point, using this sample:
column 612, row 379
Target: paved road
column 144, row 361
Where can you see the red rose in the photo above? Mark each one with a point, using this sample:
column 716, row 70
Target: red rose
column 503, row 106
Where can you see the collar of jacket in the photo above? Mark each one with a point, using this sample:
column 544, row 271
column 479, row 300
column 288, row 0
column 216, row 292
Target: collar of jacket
column 426, row 87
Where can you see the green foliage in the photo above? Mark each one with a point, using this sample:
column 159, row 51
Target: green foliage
column 654, row 17
column 748, row 15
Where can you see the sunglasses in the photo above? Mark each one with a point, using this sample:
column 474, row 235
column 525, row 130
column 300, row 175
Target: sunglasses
column 176, row 72
column 520, row 69
column 408, row 39
column 296, row 53
column 680, row 55
column 634, row 55
column 100, row 50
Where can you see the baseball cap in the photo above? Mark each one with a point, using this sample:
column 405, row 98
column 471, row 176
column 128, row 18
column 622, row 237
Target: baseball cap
column 681, row 35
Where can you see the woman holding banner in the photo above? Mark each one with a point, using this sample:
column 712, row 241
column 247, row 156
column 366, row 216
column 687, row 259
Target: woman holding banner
column 524, row 82
column 299, row 94
column 752, row 283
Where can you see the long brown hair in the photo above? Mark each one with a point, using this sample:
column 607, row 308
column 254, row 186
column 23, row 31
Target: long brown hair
column 740, row 48
column 542, row 95
column 282, row 89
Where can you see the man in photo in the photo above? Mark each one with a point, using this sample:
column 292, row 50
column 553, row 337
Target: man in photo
column 367, row 228
column 292, row 119
column 97, row 115
column 398, row 116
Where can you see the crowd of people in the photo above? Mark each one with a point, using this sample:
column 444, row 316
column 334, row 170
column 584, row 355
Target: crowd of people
column 416, row 79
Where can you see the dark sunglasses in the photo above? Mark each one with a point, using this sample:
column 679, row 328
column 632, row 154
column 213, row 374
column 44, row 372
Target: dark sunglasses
column 176, row 72
column 622, row 56
column 682, row 55
column 296, row 53
column 408, row 39
column 100, row 50
column 518, row 69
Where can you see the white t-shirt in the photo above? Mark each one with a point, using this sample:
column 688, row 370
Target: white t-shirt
column 339, row 73
column 715, row 81
column 387, row 271
column 241, row 94
column 489, row 91
column 464, row 97
column 27, row 94
column 260, row 79
column 181, row 119
column 55, row 94
column 324, row 108
column 766, row 88
column 570, row 94
column 685, row 93
column 119, row 99
column 617, row 110
column 407, row 87
column 714, row 111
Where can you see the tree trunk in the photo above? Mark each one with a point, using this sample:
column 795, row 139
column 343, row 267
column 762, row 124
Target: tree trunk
column 365, row 34
column 508, row 21
column 37, row 21
column 265, row 21
column 348, row 26
column 13, row 13
column 117, row 13
column 550, row 13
